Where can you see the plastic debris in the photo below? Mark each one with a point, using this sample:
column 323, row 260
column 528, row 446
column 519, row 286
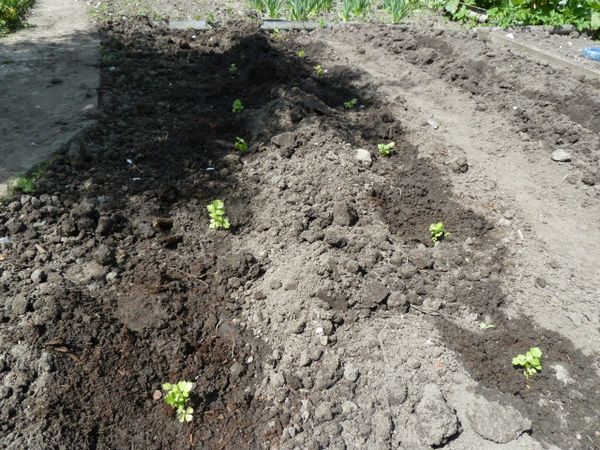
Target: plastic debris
column 592, row 53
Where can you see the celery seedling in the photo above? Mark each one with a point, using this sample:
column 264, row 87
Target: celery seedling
column 218, row 219
column 351, row 104
column 386, row 149
column 438, row 231
column 530, row 361
column 178, row 396
column 320, row 71
column 241, row 145
column 237, row 106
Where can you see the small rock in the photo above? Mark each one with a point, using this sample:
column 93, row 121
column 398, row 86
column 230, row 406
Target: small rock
column 562, row 374
column 540, row 282
column 509, row 214
column 287, row 142
column 363, row 156
column 323, row 412
column 382, row 425
column 104, row 226
column 374, row 293
column 20, row 305
column 277, row 379
column 436, row 420
column 433, row 124
column 421, row 257
column 335, row 239
column 38, row 276
column 561, row 155
column 231, row 159
column 496, row 422
column 459, row 165
column 157, row 395
column 290, row 285
column 236, row 370
column 144, row 230
column 275, row 284
column 351, row 373
column 298, row 327
column 163, row 223
column 398, row 300
column 344, row 215
column 104, row 255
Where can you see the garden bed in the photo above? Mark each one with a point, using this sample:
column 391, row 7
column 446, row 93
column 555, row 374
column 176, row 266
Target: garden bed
column 325, row 317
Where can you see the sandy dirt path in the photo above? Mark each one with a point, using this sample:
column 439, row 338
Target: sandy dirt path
column 49, row 75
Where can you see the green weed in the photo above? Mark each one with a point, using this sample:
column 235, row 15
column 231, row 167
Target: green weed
column 12, row 14
column 320, row 71
column 399, row 9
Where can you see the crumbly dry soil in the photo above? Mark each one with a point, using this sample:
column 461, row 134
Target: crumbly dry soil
column 326, row 317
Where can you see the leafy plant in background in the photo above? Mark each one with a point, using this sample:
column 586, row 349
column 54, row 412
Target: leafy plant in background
column 438, row 231
column 302, row 10
column 241, row 145
column 399, row 9
column 258, row 6
column 530, row 361
column 273, row 8
column 320, row 70
column 12, row 13
column 354, row 8
column 237, row 106
column 178, row 396
column 218, row 218
column 386, row 149
column 351, row 104
column 584, row 14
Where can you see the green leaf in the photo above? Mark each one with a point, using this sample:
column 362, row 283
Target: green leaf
column 595, row 19
column 452, row 6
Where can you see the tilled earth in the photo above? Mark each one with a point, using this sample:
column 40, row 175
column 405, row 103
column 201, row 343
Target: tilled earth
column 325, row 318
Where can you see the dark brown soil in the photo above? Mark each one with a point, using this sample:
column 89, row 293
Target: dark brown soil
column 127, row 302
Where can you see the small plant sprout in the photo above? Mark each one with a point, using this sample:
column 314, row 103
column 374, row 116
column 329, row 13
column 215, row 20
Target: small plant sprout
column 300, row 53
column 237, row 106
column 320, row 71
column 530, row 361
column 25, row 184
column 241, row 145
column 386, row 149
column 233, row 69
column 351, row 104
column 178, row 396
column 218, row 219
column 438, row 231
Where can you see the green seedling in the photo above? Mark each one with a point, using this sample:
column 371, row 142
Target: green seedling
column 178, row 396
column 273, row 8
column 237, row 106
column 530, row 361
column 399, row 9
column 240, row 145
column 438, row 231
column 233, row 69
column 218, row 218
column 25, row 184
column 320, row 71
column 486, row 326
column 386, row 149
column 351, row 104
column 300, row 53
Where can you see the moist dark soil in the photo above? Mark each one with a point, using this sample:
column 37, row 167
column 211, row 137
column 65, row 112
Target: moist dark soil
column 114, row 284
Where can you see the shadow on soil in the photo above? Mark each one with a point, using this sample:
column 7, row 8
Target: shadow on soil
column 163, row 148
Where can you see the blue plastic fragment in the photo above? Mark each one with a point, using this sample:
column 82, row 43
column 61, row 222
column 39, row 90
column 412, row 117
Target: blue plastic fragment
column 591, row 53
